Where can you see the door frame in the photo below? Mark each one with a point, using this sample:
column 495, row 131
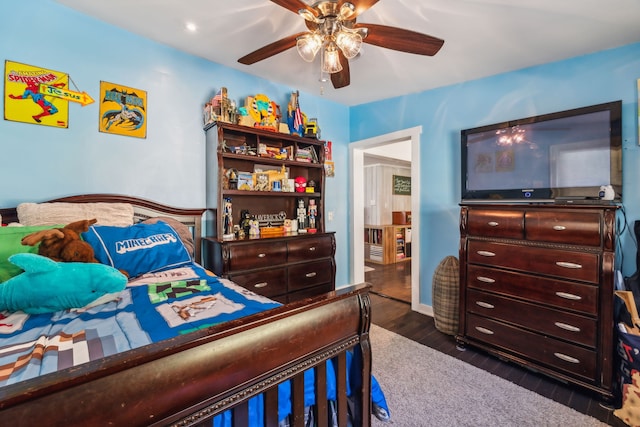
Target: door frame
column 356, row 195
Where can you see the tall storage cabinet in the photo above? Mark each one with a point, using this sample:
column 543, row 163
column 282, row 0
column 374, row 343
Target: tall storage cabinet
column 537, row 285
column 284, row 267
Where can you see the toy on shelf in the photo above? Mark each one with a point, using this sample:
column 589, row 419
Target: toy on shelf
column 220, row 108
column 301, row 216
column 228, row 220
column 295, row 118
column 311, row 129
column 264, row 112
column 300, row 183
column 254, row 228
column 313, row 214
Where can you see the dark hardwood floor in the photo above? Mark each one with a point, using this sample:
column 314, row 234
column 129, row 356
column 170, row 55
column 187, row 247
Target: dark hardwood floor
column 390, row 280
column 395, row 315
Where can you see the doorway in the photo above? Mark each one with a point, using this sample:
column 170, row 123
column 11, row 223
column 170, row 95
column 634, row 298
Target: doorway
column 357, row 151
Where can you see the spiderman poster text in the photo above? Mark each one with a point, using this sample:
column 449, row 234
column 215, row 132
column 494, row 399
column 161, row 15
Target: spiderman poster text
column 29, row 95
column 123, row 110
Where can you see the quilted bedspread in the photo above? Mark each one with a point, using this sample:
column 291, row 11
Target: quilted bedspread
column 152, row 308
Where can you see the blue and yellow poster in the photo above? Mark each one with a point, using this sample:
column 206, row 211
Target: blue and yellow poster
column 35, row 95
column 123, row 110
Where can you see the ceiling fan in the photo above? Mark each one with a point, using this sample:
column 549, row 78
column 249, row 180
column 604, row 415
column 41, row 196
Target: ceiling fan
column 334, row 33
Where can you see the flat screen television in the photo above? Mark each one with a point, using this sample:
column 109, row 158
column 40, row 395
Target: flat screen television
column 567, row 156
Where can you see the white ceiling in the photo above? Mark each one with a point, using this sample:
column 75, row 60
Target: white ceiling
column 394, row 154
column 482, row 37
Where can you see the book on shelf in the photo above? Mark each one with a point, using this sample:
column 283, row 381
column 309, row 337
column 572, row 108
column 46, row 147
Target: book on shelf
column 304, row 155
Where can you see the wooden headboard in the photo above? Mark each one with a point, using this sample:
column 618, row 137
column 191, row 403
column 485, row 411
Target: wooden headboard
column 142, row 209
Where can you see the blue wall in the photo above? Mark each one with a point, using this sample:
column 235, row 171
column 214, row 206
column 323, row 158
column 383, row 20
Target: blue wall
column 601, row 77
column 37, row 162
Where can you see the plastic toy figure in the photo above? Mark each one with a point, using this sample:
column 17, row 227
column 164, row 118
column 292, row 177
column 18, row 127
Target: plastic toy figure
column 295, row 117
column 245, row 221
column 313, row 213
column 300, row 183
column 302, row 215
column 228, row 217
column 254, row 228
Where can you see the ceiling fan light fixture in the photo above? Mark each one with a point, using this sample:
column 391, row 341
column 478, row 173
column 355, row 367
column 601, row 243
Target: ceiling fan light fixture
column 346, row 11
column 331, row 59
column 307, row 15
column 349, row 42
column 308, row 46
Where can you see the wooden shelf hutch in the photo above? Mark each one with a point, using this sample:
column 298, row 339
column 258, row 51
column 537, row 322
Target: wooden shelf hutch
column 284, row 267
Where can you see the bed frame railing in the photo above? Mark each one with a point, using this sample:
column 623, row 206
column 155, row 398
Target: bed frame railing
column 189, row 379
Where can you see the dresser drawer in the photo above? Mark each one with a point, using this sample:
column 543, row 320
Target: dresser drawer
column 558, row 293
column 496, row 223
column 544, row 350
column 310, row 249
column 270, row 283
column 310, row 274
column 257, row 255
column 560, row 324
column 552, row 262
column 576, row 228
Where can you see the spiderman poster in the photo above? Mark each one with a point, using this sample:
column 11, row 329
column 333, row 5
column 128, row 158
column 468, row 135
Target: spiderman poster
column 35, row 95
column 123, row 110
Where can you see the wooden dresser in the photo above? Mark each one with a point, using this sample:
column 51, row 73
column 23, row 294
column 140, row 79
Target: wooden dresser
column 282, row 268
column 537, row 286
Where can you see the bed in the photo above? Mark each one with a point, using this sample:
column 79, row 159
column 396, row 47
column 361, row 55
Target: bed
column 219, row 372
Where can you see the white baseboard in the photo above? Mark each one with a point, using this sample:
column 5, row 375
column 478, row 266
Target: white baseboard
column 427, row 310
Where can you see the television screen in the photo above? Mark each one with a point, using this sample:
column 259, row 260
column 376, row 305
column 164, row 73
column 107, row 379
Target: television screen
column 567, row 155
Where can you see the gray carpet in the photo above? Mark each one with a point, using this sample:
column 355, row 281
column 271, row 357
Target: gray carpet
column 424, row 387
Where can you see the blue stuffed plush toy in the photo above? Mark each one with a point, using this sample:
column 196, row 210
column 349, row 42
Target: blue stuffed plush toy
column 47, row 286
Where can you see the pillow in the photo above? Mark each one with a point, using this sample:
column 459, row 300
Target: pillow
column 183, row 231
column 138, row 249
column 10, row 243
column 47, row 286
column 52, row 213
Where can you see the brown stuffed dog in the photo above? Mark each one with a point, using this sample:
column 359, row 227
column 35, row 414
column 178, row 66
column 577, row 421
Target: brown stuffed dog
column 63, row 244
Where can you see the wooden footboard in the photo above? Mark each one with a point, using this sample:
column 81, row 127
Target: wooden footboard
column 189, row 379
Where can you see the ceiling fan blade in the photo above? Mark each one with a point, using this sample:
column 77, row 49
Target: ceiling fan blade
column 270, row 49
column 361, row 6
column 342, row 78
column 401, row 39
column 295, row 5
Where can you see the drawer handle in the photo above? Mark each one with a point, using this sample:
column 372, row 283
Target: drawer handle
column 262, row 255
column 312, row 248
column 493, row 224
column 486, row 279
column 567, row 327
column 485, row 304
column 484, row 330
column 313, row 274
column 566, row 295
column 566, row 358
column 260, row 285
column 559, row 227
column 486, row 253
column 568, row 264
